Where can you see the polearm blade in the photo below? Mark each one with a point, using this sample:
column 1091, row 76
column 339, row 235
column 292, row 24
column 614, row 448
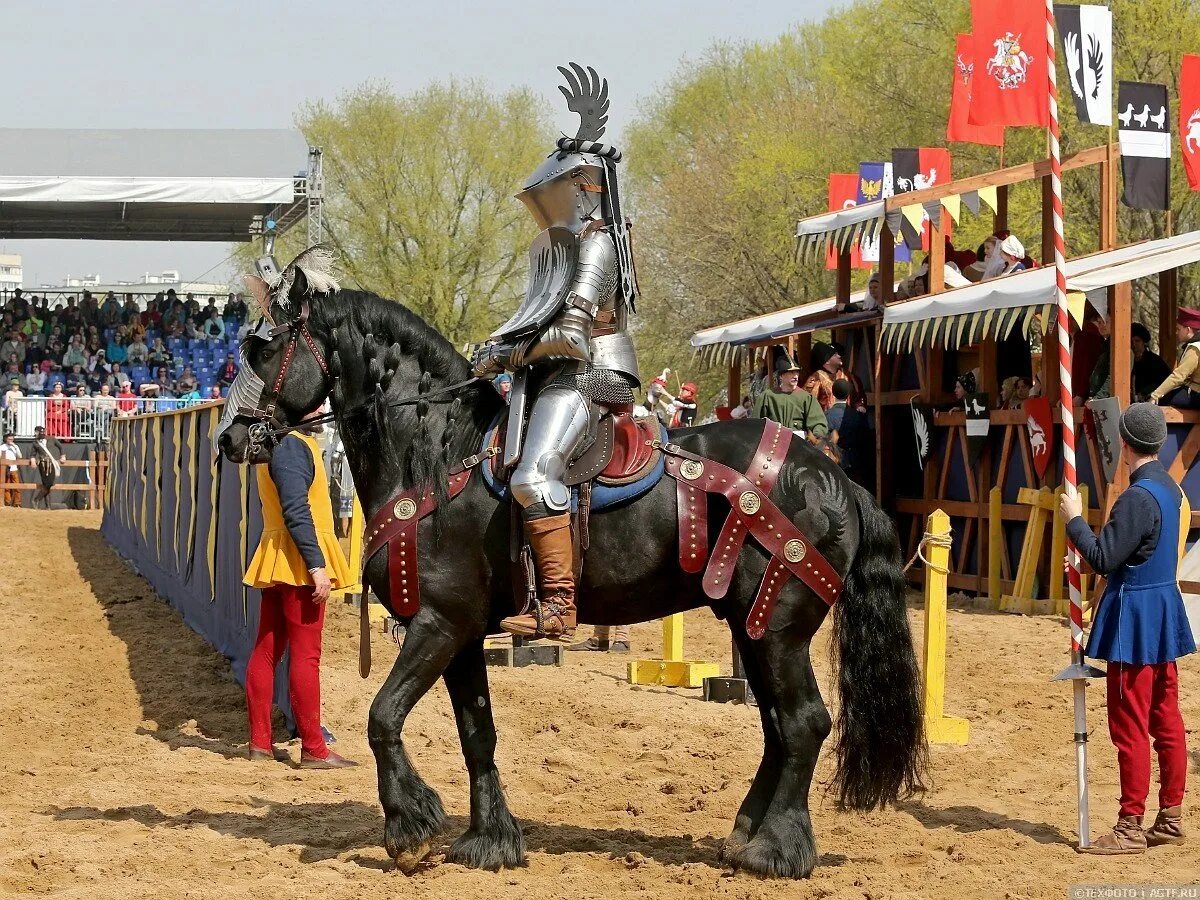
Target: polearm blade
column 1078, row 672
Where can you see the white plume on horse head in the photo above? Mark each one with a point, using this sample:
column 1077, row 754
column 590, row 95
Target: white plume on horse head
column 316, row 263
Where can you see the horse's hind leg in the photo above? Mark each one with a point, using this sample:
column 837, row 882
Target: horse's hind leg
column 766, row 779
column 412, row 809
column 494, row 839
column 783, row 846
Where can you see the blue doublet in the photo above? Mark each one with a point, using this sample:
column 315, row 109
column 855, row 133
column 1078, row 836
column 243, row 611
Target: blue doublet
column 1141, row 619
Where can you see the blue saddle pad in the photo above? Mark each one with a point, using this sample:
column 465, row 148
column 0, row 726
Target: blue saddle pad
column 604, row 496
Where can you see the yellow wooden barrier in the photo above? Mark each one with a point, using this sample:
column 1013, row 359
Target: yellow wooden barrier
column 939, row 728
column 672, row 670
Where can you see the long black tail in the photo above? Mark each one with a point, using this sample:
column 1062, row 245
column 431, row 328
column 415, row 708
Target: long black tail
column 881, row 750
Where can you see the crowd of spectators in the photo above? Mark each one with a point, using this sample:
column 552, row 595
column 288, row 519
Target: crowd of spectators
column 114, row 357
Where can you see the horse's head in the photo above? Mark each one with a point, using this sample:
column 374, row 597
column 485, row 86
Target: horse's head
column 284, row 372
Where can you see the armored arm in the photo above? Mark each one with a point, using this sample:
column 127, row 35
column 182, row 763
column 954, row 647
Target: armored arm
column 568, row 335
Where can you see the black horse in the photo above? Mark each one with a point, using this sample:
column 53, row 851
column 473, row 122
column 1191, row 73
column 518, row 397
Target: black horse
column 363, row 351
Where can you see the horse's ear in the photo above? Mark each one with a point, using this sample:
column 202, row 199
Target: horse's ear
column 260, row 291
column 299, row 289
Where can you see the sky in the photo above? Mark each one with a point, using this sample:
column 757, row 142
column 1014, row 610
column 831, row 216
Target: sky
column 232, row 64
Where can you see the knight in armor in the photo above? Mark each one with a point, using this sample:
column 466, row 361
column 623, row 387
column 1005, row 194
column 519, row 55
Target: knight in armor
column 568, row 344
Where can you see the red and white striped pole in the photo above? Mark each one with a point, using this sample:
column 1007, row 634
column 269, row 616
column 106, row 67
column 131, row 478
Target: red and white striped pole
column 1078, row 672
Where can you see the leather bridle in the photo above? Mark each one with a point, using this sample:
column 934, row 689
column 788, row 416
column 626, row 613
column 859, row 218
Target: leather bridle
column 261, row 432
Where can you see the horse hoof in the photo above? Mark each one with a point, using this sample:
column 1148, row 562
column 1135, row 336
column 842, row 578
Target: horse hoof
column 408, row 861
column 731, row 847
column 767, row 860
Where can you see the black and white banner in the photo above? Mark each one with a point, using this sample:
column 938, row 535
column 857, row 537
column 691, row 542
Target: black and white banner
column 922, row 416
column 1145, row 131
column 1086, row 33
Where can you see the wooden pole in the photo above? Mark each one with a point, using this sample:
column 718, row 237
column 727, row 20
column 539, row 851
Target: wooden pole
column 939, row 728
column 1168, row 310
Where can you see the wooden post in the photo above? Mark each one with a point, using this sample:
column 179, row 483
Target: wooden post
column 1120, row 311
column 1048, row 226
column 995, row 545
column 1168, row 309
column 1107, row 172
column 937, row 251
column 939, row 728
column 733, row 388
column 1000, row 220
column 887, row 264
column 843, row 277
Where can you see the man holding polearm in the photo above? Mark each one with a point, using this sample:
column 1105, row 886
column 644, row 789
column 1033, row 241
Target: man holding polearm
column 1140, row 628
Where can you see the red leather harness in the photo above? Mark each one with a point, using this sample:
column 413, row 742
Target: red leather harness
column 394, row 527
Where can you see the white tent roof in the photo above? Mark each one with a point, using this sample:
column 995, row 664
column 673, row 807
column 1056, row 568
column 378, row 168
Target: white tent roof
column 146, row 184
column 747, row 331
column 1033, row 289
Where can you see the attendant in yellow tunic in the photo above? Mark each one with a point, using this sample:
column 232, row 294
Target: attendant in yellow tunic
column 297, row 563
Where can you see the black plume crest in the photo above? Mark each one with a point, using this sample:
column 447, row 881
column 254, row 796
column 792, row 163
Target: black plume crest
column 587, row 95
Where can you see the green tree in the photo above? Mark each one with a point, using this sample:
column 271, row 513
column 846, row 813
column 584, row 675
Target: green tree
column 739, row 145
column 420, row 196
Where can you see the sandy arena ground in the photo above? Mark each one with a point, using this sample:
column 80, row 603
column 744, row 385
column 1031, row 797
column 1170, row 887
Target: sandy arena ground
column 121, row 776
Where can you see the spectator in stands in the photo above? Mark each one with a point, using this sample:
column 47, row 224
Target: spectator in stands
column 106, row 408
column 75, row 354
column 129, row 311
column 1099, row 383
column 964, row 386
column 159, row 355
column 98, row 362
column 13, row 393
column 137, row 352
column 13, row 377
column 191, row 330
column 297, row 563
column 837, row 410
column 1149, row 370
column 742, row 410
column 1182, row 387
column 35, row 382
column 162, row 379
column 235, row 310
column 214, row 393
column 229, row 372
column 47, row 454
column 790, row 407
column 187, row 382
column 213, row 327
column 9, row 454
column 1012, row 257
column 116, row 351
column 95, row 379
column 126, row 399
column 827, row 362
column 56, row 375
column 76, row 378
column 81, row 407
column 58, row 405
column 110, row 311
column 192, row 395
column 117, row 376
column 14, row 346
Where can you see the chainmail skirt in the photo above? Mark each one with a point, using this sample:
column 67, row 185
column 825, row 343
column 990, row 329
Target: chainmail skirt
column 599, row 385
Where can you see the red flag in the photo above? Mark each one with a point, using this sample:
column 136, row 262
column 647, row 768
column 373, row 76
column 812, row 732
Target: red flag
column 958, row 127
column 934, row 163
column 1040, row 426
column 843, row 193
column 1189, row 118
column 1011, row 84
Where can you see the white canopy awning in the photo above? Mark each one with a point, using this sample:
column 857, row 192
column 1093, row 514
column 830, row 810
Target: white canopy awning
column 994, row 307
column 841, row 228
column 759, row 328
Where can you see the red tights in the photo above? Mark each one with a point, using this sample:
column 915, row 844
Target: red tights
column 1143, row 702
column 288, row 617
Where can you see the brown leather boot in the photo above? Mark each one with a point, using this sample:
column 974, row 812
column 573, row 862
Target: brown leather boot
column 550, row 538
column 1167, row 827
column 1126, row 837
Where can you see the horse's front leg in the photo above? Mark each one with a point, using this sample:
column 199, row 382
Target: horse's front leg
column 494, row 839
column 412, row 809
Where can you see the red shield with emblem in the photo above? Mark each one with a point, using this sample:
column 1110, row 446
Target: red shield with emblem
column 1040, row 427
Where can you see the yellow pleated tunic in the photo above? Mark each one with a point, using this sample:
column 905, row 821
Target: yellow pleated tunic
column 277, row 559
